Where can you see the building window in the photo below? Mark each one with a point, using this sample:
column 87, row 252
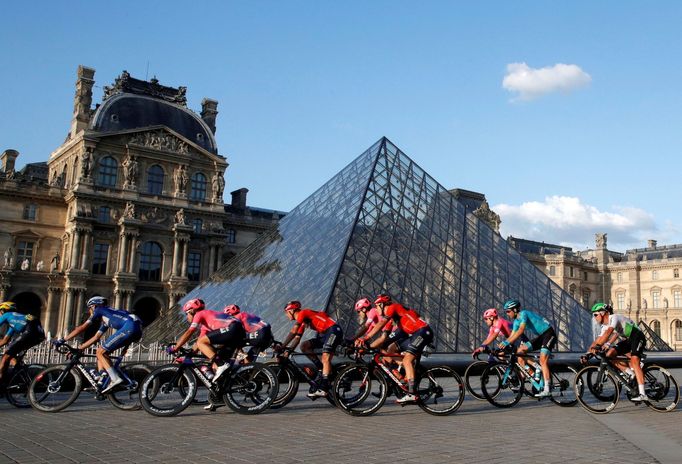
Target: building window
column 570, row 271
column 571, row 290
column 100, row 257
column 656, row 327
column 231, row 236
column 30, row 212
column 25, row 251
column 656, row 299
column 619, row 277
column 198, row 192
column 620, row 301
column 586, row 298
column 552, row 270
column 197, row 224
column 155, row 180
column 676, row 273
column 194, row 265
column 654, row 275
column 150, row 262
column 108, row 169
column 677, row 298
column 585, row 276
column 104, row 215
column 678, row 331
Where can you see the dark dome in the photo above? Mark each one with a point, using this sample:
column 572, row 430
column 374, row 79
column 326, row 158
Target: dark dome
column 130, row 111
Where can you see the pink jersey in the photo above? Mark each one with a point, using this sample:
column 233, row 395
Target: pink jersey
column 500, row 326
column 251, row 322
column 210, row 320
column 373, row 318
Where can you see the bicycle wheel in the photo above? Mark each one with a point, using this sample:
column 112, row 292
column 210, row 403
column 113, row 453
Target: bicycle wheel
column 472, row 378
column 661, row 389
column 129, row 399
column 288, row 384
column 54, row 389
column 562, row 385
column 19, row 382
column 168, row 390
column 596, row 391
column 359, row 391
column 251, row 389
column 441, row 391
column 502, row 385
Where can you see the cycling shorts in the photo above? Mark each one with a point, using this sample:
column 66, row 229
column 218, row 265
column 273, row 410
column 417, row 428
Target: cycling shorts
column 545, row 342
column 634, row 345
column 259, row 339
column 329, row 340
column 31, row 336
column 416, row 342
column 397, row 337
column 129, row 333
column 228, row 337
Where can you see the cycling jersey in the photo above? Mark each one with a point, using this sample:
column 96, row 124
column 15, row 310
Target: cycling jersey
column 500, row 327
column 16, row 321
column 110, row 317
column 373, row 318
column 319, row 321
column 406, row 319
column 251, row 322
column 533, row 321
column 622, row 325
column 210, row 320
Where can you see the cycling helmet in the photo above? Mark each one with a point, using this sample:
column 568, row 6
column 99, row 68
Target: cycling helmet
column 364, row 303
column 597, row 307
column 293, row 305
column 232, row 310
column 8, row 306
column 97, row 301
column 195, row 304
column 492, row 312
column 383, row 298
column 512, row 304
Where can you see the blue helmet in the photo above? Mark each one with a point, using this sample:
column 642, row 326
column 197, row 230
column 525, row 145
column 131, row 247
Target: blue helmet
column 512, row 304
column 97, row 301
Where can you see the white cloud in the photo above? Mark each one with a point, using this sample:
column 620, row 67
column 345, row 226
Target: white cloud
column 568, row 221
column 532, row 83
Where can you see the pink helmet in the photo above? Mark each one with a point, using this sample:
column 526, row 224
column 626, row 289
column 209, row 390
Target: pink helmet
column 196, row 304
column 364, row 303
column 492, row 312
column 232, row 310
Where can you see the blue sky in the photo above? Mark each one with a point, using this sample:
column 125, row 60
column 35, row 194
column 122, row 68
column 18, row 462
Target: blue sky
column 561, row 152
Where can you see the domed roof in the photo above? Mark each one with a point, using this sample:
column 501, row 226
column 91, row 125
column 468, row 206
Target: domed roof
column 130, row 111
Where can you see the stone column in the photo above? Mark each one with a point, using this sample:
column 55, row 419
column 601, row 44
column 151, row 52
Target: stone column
column 131, row 254
column 211, row 259
column 185, row 252
column 129, row 301
column 68, row 310
column 176, row 257
column 78, row 301
column 86, row 251
column 117, row 299
column 122, row 247
column 75, row 249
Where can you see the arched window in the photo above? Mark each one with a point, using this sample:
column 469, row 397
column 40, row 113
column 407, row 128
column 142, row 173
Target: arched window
column 677, row 330
column 155, row 180
column 552, row 270
column 151, row 259
column 107, row 173
column 656, row 327
column 198, row 192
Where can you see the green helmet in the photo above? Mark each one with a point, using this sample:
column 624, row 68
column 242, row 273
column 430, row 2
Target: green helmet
column 599, row 307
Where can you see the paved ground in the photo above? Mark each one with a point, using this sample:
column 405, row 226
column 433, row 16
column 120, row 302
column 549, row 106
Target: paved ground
column 316, row 433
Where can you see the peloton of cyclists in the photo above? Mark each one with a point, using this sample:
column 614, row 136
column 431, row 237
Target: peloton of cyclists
column 24, row 331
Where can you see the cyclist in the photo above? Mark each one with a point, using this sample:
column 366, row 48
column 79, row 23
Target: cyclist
column 128, row 330
column 498, row 327
column 545, row 339
column 369, row 317
column 329, row 336
column 258, row 332
column 215, row 329
column 633, row 342
column 412, row 335
column 26, row 328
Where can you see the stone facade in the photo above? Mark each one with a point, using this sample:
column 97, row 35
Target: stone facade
column 129, row 207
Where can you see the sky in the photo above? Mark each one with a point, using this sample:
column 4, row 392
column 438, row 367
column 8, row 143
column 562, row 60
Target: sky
column 566, row 115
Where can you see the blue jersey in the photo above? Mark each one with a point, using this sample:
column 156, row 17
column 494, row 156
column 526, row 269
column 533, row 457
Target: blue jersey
column 16, row 321
column 533, row 321
column 110, row 317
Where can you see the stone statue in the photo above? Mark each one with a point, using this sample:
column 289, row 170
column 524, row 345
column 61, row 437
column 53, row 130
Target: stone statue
column 180, row 217
column 9, row 257
column 40, row 266
column 25, row 264
column 129, row 211
column 86, row 164
column 130, row 168
column 600, row 240
column 181, row 179
column 54, row 264
column 218, row 183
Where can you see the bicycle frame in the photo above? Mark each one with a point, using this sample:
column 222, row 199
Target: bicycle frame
column 606, row 364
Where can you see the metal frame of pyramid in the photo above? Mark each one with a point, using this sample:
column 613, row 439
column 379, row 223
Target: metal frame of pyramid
column 383, row 225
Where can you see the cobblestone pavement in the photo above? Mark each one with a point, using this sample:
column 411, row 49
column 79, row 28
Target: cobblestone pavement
column 314, row 432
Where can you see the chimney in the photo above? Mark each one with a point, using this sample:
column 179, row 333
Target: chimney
column 239, row 198
column 651, row 243
column 82, row 100
column 8, row 159
column 209, row 112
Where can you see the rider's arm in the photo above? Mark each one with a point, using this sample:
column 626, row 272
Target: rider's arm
column 78, row 330
column 294, row 335
column 184, row 338
column 363, row 326
column 516, row 334
column 5, row 340
column 379, row 341
column 602, row 338
column 92, row 340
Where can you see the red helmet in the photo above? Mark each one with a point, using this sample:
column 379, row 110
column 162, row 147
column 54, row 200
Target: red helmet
column 492, row 312
column 196, row 304
column 364, row 303
column 232, row 309
column 293, row 305
column 383, row 298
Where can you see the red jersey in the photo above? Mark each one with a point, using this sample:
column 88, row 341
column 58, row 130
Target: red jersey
column 407, row 319
column 316, row 320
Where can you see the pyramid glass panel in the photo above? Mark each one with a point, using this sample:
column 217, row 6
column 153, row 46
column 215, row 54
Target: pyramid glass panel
column 383, row 225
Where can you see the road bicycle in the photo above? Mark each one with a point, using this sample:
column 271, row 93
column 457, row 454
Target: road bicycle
column 169, row 389
column 56, row 387
column 19, row 378
column 505, row 380
column 598, row 387
column 472, row 374
column 361, row 388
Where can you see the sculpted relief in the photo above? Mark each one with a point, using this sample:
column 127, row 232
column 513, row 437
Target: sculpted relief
column 160, row 140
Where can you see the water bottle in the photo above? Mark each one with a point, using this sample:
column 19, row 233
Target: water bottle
column 207, row 371
column 94, row 373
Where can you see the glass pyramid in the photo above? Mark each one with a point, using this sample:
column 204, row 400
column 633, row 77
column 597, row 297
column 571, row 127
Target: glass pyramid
column 383, row 225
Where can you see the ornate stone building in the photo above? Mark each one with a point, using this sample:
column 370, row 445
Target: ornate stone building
column 643, row 284
column 130, row 206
